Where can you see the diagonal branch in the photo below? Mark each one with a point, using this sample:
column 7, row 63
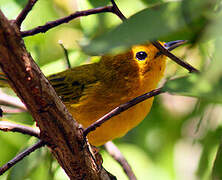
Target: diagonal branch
column 121, row 108
column 20, row 156
column 12, row 127
column 117, row 155
column 21, row 17
column 58, row 129
column 51, row 24
column 166, row 52
column 116, row 11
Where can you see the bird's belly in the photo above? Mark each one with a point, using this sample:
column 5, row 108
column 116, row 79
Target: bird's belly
column 115, row 127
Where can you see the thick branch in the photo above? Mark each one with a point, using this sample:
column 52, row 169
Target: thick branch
column 58, row 129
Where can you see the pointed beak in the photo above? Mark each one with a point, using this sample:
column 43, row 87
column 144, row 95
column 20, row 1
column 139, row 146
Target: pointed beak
column 174, row 44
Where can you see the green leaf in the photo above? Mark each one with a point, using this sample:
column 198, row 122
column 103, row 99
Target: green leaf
column 21, row 3
column 217, row 168
column 209, row 144
column 196, row 86
column 163, row 22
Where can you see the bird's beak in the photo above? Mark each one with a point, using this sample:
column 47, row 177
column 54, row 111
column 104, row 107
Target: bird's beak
column 174, row 44
column 171, row 45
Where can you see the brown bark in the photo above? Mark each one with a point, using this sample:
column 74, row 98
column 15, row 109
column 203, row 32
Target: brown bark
column 58, row 129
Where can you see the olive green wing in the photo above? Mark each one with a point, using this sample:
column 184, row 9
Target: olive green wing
column 71, row 84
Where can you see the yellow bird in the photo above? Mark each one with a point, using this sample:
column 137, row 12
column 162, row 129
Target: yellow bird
column 92, row 90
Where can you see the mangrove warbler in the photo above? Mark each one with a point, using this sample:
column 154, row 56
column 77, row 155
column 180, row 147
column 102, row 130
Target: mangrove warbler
column 90, row 91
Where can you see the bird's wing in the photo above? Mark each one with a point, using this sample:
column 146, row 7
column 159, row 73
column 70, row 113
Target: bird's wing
column 71, row 84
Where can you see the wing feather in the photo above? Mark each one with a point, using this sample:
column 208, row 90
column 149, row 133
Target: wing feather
column 71, row 84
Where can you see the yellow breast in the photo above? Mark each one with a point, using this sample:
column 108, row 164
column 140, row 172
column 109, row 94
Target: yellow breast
column 116, row 126
column 92, row 90
column 103, row 96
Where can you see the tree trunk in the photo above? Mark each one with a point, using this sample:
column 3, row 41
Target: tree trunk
column 58, row 129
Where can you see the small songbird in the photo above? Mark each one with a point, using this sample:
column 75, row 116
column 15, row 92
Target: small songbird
column 92, row 90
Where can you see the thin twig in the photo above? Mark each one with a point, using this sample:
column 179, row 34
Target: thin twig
column 121, row 108
column 9, row 126
column 49, row 25
column 117, row 155
column 66, row 55
column 11, row 101
column 166, row 52
column 116, row 11
column 21, row 17
column 20, row 156
column 11, row 110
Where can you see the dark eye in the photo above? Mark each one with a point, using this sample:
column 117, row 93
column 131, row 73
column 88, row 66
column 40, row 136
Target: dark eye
column 141, row 55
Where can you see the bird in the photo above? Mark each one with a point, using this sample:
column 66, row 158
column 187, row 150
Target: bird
column 92, row 90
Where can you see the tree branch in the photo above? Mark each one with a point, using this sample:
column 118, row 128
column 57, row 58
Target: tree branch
column 20, row 156
column 116, row 11
column 11, row 101
column 10, row 110
column 58, row 129
column 166, row 52
column 109, row 146
column 117, row 155
column 21, row 17
column 51, row 24
column 121, row 108
column 13, row 127
column 47, row 109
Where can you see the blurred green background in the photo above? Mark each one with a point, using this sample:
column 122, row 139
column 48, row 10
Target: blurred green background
column 181, row 136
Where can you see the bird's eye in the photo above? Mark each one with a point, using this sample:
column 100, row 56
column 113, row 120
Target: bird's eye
column 141, row 55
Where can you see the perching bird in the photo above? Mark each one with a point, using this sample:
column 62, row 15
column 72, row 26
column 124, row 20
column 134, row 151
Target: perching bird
column 90, row 91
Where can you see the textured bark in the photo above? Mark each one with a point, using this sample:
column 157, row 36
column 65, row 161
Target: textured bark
column 57, row 127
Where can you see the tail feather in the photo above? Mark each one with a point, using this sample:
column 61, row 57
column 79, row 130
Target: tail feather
column 3, row 80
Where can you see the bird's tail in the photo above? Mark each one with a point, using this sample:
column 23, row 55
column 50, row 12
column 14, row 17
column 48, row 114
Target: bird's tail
column 3, row 80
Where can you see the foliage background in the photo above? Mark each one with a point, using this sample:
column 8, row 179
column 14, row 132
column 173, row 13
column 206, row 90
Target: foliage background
column 180, row 137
